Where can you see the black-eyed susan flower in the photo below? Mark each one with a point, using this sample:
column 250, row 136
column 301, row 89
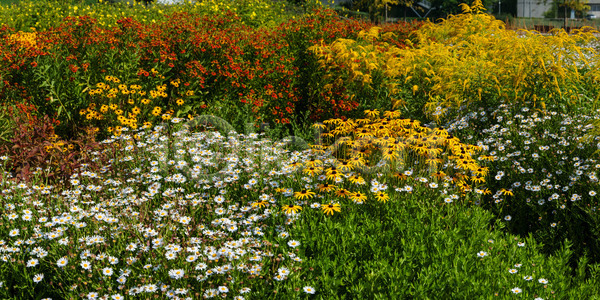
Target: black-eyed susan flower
column 438, row 175
column 325, row 187
column 392, row 114
column 372, row 113
column 331, row 170
column 382, row 196
column 318, row 149
column 291, row 209
column 333, row 175
column 304, row 194
column 312, row 171
column 319, row 126
column 313, row 162
column 358, row 196
column 342, row 193
column 295, row 165
column 357, row 161
column 331, row 208
column 364, row 133
column 440, row 131
column 260, row 204
column 361, row 151
column 481, row 171
column 487, row 157
column 344, row 166
column 400, row 176
column 433, row 152
column 356, row 179
column 477, row 179
column 506, row 192
column 390, row 155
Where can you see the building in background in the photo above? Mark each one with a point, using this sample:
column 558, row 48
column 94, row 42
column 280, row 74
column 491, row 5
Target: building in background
column 532, row 8
column 594, row 9
column 537, row 9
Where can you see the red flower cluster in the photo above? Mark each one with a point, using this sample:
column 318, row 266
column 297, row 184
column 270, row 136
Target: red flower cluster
column 264, row 71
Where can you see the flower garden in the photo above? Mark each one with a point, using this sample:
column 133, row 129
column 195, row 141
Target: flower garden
column 256, row 149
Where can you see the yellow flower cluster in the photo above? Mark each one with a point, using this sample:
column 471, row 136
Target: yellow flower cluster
column 400, row 147
column 360, row 143
column 128, row 105
column 469, row 58
column 23, row 39
column 361, row 59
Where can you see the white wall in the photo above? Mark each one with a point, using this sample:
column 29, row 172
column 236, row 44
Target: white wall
column 531, row 9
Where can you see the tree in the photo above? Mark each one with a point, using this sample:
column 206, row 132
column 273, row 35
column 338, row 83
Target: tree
column 443, row 8
column 505, row 7
column 440, row 8
column 579, row 6
column 378, row 8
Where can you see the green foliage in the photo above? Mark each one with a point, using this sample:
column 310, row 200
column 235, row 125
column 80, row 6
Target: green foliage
column 6, row 122
column 444, row 8
column 413, row 248
column 562, row 8
column 43, row 15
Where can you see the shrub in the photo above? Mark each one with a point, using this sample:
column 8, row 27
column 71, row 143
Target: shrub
column 34, row 151
column 545, row 179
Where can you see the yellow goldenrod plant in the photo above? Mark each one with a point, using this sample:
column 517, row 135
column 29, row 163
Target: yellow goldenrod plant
column 467, row 59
